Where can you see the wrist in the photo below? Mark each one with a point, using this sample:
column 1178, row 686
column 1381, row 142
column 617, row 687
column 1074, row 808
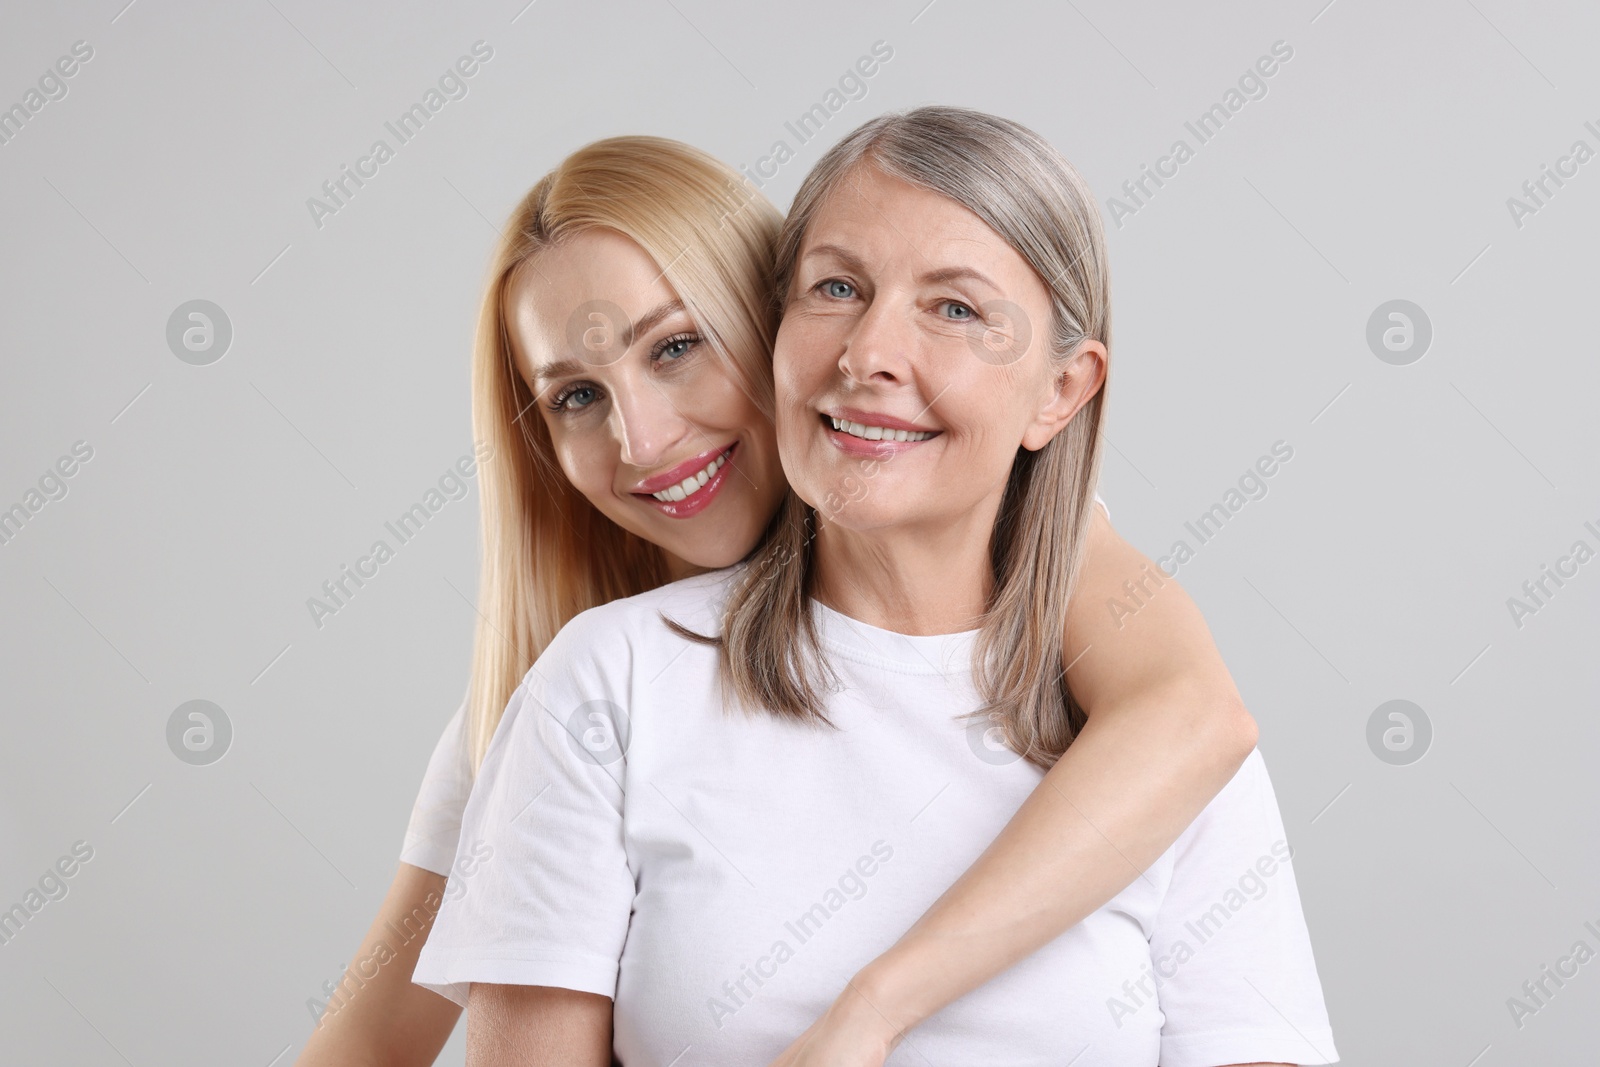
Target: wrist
column 876, row 1004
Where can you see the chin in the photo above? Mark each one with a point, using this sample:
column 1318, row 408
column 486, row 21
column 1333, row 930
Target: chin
column 715, row 557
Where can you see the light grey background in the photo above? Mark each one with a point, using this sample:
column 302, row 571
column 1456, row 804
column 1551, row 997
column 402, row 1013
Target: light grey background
column 220, row 497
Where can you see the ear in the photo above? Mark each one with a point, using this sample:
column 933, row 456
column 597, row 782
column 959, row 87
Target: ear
column 1070, row 387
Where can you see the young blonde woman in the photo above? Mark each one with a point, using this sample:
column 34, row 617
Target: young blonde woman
column 623, row 384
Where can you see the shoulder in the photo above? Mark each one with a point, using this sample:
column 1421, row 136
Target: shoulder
column 435, row 825
column 1249, row 788
column 1251, row 775
column 694, row 603
column 449, row 752
column 1244, row 814
column 622, row 633
column 453, row 741
column 1242, row 823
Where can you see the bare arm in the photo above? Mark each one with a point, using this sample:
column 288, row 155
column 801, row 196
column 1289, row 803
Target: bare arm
column 1166, row 731
column 537, row 1026
column 377, row 1017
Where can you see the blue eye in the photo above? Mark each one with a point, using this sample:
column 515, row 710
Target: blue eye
column 580, row 396
column 839, row 290
column 965, row 315
column 675, row 348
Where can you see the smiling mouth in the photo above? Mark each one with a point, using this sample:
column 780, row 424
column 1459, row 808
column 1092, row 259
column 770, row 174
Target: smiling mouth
column 695, row 482
column 694, row 493
column 868, row 432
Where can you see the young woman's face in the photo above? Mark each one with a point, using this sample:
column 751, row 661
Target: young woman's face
column 647, row 422
column 911, row 362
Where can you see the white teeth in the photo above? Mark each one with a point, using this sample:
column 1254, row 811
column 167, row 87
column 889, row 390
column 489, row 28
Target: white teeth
column 878, row 433
column 692, row 484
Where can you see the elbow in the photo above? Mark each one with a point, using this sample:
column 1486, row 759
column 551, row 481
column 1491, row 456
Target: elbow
column 1236, row 732
column 1218, row 729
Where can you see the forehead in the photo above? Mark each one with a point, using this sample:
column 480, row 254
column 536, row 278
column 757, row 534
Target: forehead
column 876, row 216
column 597, row 271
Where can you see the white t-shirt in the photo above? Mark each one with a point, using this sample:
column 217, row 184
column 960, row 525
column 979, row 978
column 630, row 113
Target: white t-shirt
column 721, row 877
column 435, row 826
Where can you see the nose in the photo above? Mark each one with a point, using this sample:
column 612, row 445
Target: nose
column 877, row 349
column 646, row 423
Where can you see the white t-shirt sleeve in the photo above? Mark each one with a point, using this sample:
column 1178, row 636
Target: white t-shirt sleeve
column 1236, row 979
column 550, row 901
column 435, row 825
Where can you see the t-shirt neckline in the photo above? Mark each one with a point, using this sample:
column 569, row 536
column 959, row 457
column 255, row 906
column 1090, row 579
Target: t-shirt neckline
column 932, row 654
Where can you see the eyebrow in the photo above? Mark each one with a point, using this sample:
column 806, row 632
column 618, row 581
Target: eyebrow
column 849, row 259
column 561, row 368
column 943, row 274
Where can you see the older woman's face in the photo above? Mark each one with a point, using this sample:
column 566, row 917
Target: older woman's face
column 912, row 359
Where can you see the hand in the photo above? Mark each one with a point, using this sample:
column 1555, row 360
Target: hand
column 851, row 1033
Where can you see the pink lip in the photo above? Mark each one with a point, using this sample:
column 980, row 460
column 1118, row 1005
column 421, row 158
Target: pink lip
column 668, row 478
column 873, row 418
column 702, row 498
column 859, row 446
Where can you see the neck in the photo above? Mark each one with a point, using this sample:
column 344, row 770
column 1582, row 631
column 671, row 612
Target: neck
column 679, row 568
column 909, row 579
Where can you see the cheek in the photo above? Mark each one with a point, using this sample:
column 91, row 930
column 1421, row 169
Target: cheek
column 787, row 393
column 738, row 414
column 991, row 436
column 792, row 399
column 806, row 347
column 791, row 435
column 587, row 459
column 712, row 400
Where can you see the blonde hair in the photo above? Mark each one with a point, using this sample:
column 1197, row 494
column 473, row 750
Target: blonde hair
column 1024, row 189
column 548, row 553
